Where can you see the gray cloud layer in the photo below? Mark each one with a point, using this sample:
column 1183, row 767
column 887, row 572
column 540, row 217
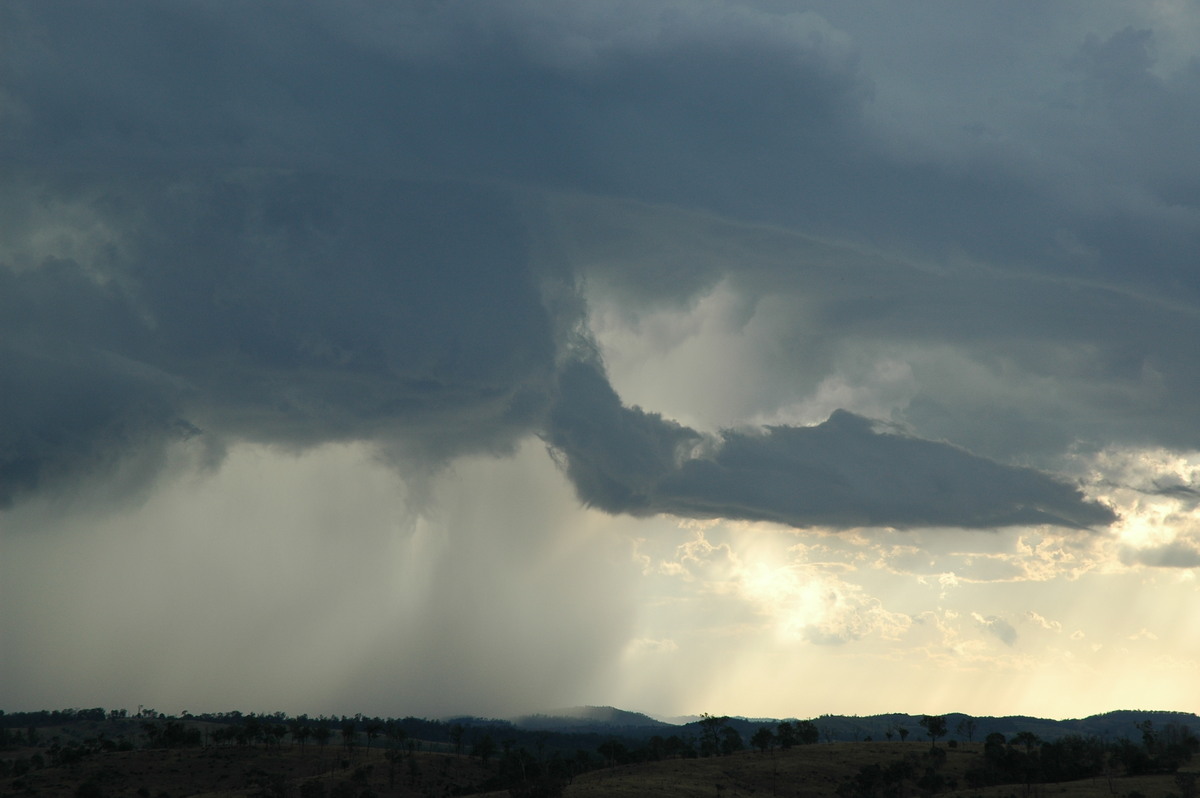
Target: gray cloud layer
column 279, row 308
column 840, row 473
column 295, row 223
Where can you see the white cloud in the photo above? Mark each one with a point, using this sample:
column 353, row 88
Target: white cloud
column 997, row 627
column 1045, row 623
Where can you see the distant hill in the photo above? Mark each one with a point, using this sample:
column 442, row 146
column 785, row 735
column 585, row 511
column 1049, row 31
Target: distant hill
column 592, row 751
column 591, row 720
column 852, row 728
column 1110, row 725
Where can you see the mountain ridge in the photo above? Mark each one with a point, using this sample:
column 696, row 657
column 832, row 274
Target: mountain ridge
column 1115, row 724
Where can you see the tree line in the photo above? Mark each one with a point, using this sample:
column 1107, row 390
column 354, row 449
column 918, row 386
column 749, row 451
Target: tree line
column 1024, row 758
column 539, row 762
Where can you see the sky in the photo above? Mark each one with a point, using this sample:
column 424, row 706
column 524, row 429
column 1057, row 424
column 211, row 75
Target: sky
column 754, row 358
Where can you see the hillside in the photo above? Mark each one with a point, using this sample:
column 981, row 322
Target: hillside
column 94, row 754
column 835, row 771
column 814, row 771
column 592, row 719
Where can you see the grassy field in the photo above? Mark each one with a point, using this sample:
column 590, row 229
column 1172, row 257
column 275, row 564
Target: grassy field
column 813, row 771
column 237, row 772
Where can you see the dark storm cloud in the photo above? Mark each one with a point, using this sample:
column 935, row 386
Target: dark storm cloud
column 563, row 97
column 273, row 307
column 300, row 246
column 841, row 473
column 74, row 412
column 713, row 105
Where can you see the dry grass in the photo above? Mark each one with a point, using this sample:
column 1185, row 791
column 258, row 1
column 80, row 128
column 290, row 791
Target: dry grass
column 812, row 771
column 815, row 771
column 237, row 772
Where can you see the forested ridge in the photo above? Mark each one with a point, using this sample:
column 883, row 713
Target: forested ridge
column 96, row 752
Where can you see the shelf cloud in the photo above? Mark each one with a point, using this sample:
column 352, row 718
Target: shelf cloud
column 841, row 473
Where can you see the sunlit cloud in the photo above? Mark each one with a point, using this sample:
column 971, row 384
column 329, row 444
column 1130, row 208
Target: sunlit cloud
column 1045, row 623
column 998, row 627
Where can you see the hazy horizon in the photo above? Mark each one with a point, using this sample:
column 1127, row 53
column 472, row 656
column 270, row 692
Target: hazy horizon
column 585, row 715
column 684, row 356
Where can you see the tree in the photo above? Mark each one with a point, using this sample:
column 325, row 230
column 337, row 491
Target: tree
column 763, row 739
column 613, row 751
column 710, row 734
column 903, row 732
column 785, row 732
column 321, row 734
column 1027, row 739
column 484, row 748
column 935, row 727
column 675, row 747
column 396, row 734
column 253, row 729
column 966, row 728
column 374, row 729
column 278, row 731
column 731, row 741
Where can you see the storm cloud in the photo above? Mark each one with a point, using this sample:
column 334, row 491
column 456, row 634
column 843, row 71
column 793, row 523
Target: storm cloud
column 342, row 273
column 284, row 309
column 840, row 473
column 299, row 309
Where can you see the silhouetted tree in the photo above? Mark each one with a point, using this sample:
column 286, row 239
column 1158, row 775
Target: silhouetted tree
column 321, row 734
column 966, row 727
column 1027, row 739
column 373, row 728
column 785, row 732
column 278, row 732
column 676, row 747
column 763, row 739
column 710, row 734
column 935, row 727
column 613, row 751
column 731, row 741
column 484, row 748
column 396, row 734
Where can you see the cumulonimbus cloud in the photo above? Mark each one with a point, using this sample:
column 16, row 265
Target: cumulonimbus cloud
column 841, row 473
column 286, row 305
column 278, row 307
